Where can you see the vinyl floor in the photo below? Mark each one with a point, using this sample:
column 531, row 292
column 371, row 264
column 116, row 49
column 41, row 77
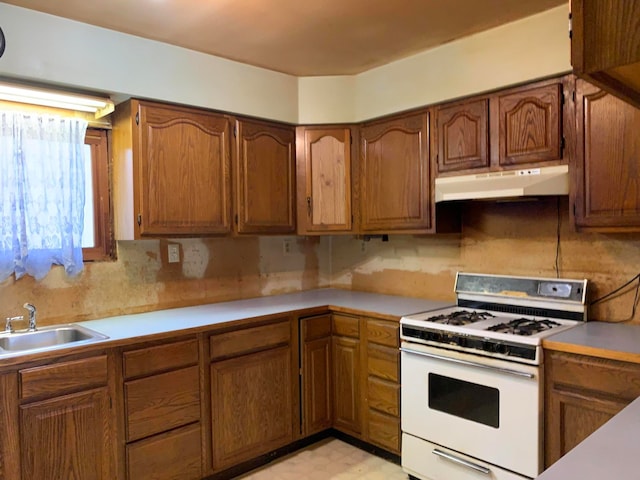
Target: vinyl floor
column 329, row 459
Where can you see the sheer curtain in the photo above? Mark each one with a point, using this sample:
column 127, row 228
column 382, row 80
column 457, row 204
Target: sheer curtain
column 41, row 193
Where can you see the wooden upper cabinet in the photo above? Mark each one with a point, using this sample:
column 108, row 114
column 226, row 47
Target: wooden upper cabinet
column 605, row 45
column 324, row 180
column 178, row 179
column 394, row 186
column 607, row 193
column 529, row 125
column 265, row 178
column 462, row 136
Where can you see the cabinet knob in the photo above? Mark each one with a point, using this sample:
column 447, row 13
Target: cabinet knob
column 309, row 206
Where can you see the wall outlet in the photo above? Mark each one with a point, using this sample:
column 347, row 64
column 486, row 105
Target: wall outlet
column 287, row 247
column 173, row 251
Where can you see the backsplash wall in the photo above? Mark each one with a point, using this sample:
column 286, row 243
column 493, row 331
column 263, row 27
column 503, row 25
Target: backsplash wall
column 517, row 238
column 210, row 270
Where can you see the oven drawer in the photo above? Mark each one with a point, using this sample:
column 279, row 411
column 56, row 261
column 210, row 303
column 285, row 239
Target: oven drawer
column 428, row 461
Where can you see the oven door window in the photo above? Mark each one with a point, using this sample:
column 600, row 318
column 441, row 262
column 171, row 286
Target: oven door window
column 467, row 400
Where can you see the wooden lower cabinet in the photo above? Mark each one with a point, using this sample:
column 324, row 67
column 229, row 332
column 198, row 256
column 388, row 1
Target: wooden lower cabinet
column 315, row 349
column 581, row 394
column 347, row 399
column 251, row 396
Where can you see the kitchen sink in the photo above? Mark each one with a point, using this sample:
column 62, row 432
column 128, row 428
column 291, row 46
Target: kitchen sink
column 47, row 337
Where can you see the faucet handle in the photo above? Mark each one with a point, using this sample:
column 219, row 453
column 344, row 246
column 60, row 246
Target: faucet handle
column 8, row 326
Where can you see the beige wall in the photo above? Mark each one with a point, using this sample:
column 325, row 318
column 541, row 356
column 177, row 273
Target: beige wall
column 500, row 238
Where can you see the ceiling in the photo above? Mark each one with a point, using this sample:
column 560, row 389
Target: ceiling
column 299, row 37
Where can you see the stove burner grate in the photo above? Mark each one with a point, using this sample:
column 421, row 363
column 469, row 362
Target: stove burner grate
column 524, row 326
column 460, row 317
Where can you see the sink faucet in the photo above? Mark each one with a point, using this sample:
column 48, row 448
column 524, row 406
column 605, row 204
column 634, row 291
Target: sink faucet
column 32, row 316
column 8, row 326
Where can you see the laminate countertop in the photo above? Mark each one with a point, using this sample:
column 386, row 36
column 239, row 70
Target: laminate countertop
column 610, row 452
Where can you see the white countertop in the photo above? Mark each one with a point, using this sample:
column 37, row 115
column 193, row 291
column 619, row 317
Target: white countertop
column 608, row 453
column 163, row 321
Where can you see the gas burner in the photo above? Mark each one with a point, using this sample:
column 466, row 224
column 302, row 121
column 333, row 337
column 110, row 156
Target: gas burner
column 460, row 317
column 524, row 326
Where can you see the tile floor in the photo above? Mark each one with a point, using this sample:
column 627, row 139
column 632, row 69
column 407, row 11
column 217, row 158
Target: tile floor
column 329, row 459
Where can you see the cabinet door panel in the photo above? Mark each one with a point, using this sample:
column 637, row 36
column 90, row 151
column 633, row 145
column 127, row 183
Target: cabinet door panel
column 316, row 387
column 346, row 384
column 608, row 165
column 394, row 176
column 251, row 404
column 67, row 437
column 530, row 125
column 325, row 201
column 266, row 178
column 184, row 173
column 463, row 136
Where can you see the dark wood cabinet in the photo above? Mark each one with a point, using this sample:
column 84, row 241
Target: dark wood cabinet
column 251, row 393
column 347, row 374
column 171, row 171
column 394, row 178
column 265, row 178
column 581, row 394
column 605, row 45
column 607, row 174
column 324, row 180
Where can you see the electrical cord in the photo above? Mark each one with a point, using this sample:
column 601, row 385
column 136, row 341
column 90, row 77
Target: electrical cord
column 558, row 240
column 617, row 290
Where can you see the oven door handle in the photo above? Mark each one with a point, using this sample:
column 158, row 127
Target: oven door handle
column 472, row 364
column 461, row 461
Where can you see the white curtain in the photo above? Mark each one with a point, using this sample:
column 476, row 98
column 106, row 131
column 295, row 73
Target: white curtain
column 41, row 193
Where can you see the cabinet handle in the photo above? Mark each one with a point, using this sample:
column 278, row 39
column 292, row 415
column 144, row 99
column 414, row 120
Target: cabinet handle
column 309, row 206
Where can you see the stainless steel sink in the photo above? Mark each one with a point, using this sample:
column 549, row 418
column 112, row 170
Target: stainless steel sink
column 48, row 337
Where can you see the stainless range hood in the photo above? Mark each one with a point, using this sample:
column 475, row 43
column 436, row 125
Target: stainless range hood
column 507, row 184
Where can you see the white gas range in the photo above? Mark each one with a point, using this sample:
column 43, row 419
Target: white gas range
column 471, row 379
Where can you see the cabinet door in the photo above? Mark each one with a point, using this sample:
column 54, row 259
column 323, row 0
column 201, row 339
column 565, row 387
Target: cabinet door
column 530, row 125
column 463, row 136
column 316, row 385
column 183, row 175
column 67, row 437
column 394, row 176
column 251, row 405
column 324, row 185
column 346, row 385
column 607, row 161
column 265, row 180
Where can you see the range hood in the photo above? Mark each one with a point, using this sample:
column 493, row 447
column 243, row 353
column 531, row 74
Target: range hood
column 507, row 184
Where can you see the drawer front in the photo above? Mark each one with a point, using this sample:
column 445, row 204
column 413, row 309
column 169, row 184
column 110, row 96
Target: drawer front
column 162, row 402
column 175, row 455
column 384, row 396
column 316, row 327
column 159, row 358
column 346, row 326
column 384, row 430
column 383, row 362
column 250, row 340
column 60, row 378
column 383, row 333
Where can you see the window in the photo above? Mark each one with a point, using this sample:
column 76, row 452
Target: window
column 97, row 235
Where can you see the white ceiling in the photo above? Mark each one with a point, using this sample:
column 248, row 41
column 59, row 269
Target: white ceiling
column 299, row 37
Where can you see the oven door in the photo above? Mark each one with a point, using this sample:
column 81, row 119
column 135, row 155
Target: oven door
column 479, row 406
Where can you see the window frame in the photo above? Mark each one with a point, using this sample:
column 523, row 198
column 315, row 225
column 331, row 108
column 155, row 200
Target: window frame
column 98, row 140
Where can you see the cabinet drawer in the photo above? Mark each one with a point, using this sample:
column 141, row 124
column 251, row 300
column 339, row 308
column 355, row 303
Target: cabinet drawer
column 384, row 396
column 161, row 402
column 346, row 326
column 316, row 327
column 147, row 361
column 250, row 340
column 384, row 430
column 610, row 377
column 383, row 333
column 59, row 378
column 174, row 455
column 383, row 362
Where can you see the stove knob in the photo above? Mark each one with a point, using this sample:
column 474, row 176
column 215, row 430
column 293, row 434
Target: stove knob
column 436, row 337
column 462, row 342
column 502, row 348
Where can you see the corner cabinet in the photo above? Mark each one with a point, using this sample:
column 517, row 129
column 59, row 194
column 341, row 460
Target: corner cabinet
column 607, row 178
column 511, row 129
column 324, row 180
column 394, row 179
column 265, row 178
column 605, row 45
column 581, row 394
column 171, row 171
